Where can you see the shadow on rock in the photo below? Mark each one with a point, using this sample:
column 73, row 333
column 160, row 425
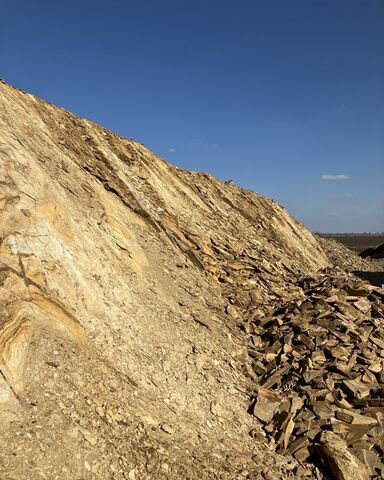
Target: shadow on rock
column 374, row 278
column 376, row 252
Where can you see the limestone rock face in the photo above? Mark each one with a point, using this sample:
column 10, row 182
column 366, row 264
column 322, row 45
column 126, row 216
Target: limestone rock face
column 116, row 274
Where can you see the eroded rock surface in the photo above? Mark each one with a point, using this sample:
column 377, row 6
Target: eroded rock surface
column 126, row 288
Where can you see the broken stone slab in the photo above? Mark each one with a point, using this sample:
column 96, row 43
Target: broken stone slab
column 356, row 389
column 303, row 454
column 322, row 410
column 355, row 291
column 298, row 443
column 341, row 427
column 363, row 305
column 377, row 341
column 286, row 431
column 370, row 459
column 369, row 402
column 354, row 418
column 276, row 376
column 341, row 461
column 266, row 404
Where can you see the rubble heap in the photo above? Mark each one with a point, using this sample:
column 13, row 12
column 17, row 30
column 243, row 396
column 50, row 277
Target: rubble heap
column 341, row 256
column 122, row 282
column 319, row 365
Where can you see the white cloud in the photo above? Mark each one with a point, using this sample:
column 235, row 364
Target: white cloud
column 335, row 178
column 171, row 150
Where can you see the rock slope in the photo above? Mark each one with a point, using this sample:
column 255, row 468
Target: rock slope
column 126, row 286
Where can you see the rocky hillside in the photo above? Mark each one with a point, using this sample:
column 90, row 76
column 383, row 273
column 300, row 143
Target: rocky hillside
column 127, row 287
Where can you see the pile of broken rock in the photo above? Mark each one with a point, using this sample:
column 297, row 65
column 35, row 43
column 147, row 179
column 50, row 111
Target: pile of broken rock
column 341, row 256
column 319, row 367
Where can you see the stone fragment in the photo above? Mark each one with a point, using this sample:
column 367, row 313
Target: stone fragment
column 271, row 380
column 370, row 459
column 266, row 404
column 52, row 363
column 343, row 464
column 88, row 436
column 355, row 418
column 356, row 388
column 356, row 291
column 256, row 296
column 231, row 310
column 287, row 432
column 302, row 454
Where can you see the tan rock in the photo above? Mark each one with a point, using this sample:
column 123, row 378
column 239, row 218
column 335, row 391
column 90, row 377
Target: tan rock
column 231, row 310
column 92, row 228
column 266, row 404
column 344, row 465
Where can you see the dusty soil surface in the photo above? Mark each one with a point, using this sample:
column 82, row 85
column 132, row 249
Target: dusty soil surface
column 128, row 289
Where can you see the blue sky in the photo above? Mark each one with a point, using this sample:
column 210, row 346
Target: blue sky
column 285, row 97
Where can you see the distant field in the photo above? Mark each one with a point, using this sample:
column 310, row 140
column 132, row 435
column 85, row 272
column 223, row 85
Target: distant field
column 357, row 242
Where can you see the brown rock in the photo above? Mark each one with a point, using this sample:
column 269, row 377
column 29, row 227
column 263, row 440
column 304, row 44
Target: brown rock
column 231, row 310
column 266, row 404
column 355, row 418
column 343, row 464
column 256, row 296
column 108, row 252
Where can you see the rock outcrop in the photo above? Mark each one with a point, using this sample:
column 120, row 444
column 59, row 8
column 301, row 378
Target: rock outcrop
column 126, row 288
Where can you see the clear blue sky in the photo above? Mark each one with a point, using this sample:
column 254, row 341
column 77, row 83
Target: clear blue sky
column 273, row 94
